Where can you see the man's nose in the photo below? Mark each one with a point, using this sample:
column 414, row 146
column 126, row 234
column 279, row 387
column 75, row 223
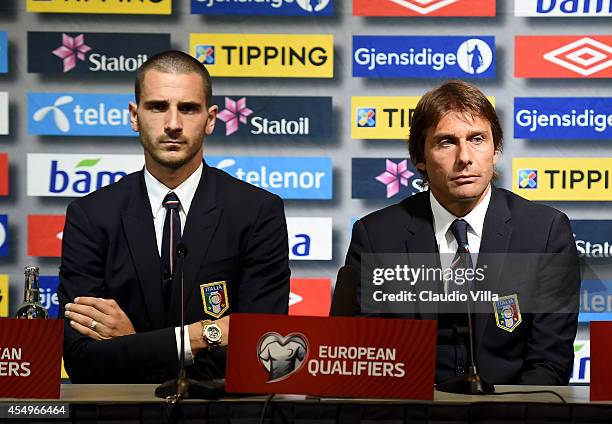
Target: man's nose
column 173, row 121
column 464, row 153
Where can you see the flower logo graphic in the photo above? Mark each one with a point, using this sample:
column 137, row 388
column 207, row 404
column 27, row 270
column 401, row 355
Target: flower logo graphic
column 59, row 117
column 71, row 49
column 395, row 175
column 233, row 112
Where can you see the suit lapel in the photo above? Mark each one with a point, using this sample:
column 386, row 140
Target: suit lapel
column 140, row 234
column 202, row 221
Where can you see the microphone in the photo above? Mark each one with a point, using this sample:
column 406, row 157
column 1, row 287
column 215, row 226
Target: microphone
column 344, row 301
column 183, row 387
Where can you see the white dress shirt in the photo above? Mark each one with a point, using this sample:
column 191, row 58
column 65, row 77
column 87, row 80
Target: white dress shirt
column 185, row 192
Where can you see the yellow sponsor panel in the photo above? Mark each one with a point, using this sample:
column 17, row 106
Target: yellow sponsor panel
column 563, row 179
column 4, row 296
column 265, row 55
column 131, row 7
column 383, row 117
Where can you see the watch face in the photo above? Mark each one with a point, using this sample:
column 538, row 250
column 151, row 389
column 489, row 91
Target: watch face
column 213, row 333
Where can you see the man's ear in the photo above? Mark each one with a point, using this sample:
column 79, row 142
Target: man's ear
column 134, row 116
column 212, row 119
column 420, row 166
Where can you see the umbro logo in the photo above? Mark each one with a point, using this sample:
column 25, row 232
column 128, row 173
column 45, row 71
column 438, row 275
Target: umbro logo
column 585, row 56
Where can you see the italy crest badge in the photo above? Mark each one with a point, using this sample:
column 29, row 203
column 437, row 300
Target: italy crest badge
column 214, row 298
column 507, row 312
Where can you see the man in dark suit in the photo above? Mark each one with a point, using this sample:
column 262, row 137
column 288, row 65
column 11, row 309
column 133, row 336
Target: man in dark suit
column 119, row 290
column 527, row 336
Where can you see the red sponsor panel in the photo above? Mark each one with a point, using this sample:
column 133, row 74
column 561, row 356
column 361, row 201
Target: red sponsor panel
column 4, row 182
column 601, row 352
column 310, row 296
column 30, row 358
column 563, row 56
column 338, row 356
column 45, row 235
column 424, row 8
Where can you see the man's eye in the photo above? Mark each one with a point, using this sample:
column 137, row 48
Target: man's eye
column 478, row 139
column 446, row 142
column 158, row 107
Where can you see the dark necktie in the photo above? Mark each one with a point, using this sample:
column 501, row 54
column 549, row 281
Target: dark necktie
column 462, row 258
column 171, row 237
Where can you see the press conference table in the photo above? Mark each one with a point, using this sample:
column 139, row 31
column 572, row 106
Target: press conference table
column 136, row 403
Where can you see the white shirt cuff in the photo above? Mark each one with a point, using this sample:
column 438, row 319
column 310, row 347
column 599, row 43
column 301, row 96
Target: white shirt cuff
column 188, row 354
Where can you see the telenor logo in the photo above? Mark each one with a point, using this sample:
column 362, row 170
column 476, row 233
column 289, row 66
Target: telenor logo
column 423, row 56
column 563, row 56
column 91, row 52
column 4, row 246
column 571, row 8
column 310, row 238
column 424, row 8
column 268, row 7
column 91, row 114
column 593, row 238
column 384, row 178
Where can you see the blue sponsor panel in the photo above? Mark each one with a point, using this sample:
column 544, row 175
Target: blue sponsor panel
column 563, row 117
column 4, row 243
column 384, row 178
column 91, row 52
column 380, row 56
column 3, row 52
column 595, row 301
column 289, row 177
column 263, row 7
column 273, row 116
column 48, row 294
column 78, row 114
column 593, row 238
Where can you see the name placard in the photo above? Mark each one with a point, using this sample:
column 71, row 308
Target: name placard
column 320, row 356
column 601, row 350
column 30, row 358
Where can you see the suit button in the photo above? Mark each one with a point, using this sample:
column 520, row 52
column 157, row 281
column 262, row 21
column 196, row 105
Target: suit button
column 460, row 370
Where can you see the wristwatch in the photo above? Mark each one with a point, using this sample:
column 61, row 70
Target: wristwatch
column 211, row 333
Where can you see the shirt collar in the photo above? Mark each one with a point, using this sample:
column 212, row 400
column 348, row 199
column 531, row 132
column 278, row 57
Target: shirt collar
column 443, row 218
column 185, row 191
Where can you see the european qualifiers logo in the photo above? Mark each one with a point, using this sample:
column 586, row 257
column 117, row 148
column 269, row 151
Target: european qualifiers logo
column 265, row 55
column 563, row 56
column 263, row 7
column 424, row 8
column 3, row 52
column 391, row 178
column 91, row 52
column 254, row 116
column 563, row 117
column 563, row 8
column 79, row 114
column 423, row 56
column 593, row 238
column 290, row 177
column 130, row 7
column 4, row 240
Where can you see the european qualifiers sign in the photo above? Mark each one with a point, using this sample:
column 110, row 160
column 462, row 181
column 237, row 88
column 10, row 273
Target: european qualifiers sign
column 91, row 52
column 273, row 116
column 267, row 7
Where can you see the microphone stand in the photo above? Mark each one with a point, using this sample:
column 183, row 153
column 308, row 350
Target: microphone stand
column 183, row 387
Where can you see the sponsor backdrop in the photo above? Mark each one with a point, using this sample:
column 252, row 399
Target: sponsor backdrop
column 315, row 100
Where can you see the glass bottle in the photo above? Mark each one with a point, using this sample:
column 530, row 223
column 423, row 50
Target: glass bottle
column 31, row 307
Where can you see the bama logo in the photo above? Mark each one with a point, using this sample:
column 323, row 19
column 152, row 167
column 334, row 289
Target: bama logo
column 74, row 175
column 310, row 239
column 265, row 7
column 563, row 56
column 45, row 234
column 310, row 297
column 3, row 52
column 563, row 179
column 564, row 8
column 563, row 117
column 91, row 114
column 290, row 177
column 423, row 56
column 424, row 8
column 581, row 372
column 131, row 7
column 91, row 52
column 254, row 116
column 265, row 55
column 48, row 294
column 4, row 242
column 391, row 178
column 593, row 238
column 595, row 300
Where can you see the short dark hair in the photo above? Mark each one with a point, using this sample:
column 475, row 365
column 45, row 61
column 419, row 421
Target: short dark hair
column 452, row 96
column 174, row 62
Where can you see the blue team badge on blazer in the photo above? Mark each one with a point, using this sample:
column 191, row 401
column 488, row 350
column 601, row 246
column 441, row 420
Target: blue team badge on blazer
column 507, row 313
column 214, row 298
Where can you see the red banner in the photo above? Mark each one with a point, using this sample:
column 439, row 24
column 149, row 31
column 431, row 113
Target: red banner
column 563, row 56
column 424, row 8
column 4, row 182
column 45, row 235
column 30, row 358
column 347, row 357
column 310, row 297
column 601, row 351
